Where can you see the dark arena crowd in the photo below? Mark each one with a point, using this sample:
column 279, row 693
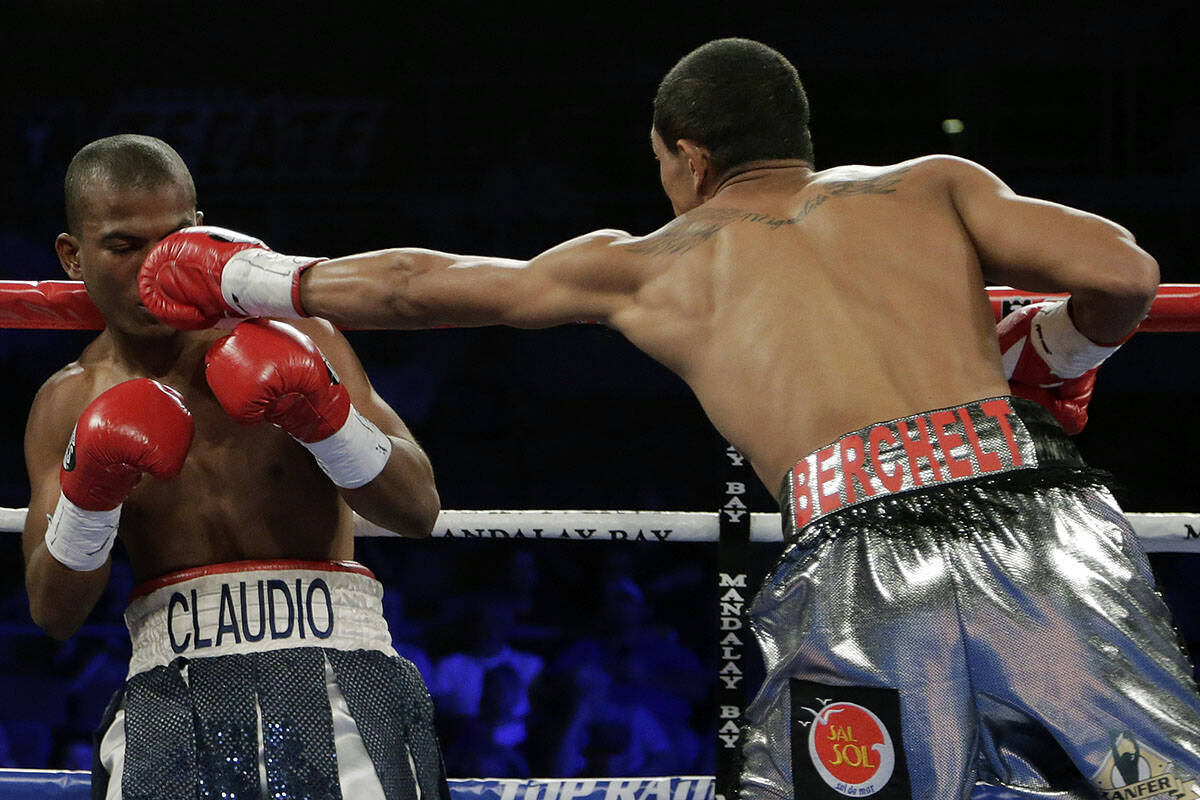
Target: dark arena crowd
column 575, row 659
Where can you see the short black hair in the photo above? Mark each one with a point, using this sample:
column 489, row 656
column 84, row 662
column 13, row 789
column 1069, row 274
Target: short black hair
column 739, row 98
column 127, row 161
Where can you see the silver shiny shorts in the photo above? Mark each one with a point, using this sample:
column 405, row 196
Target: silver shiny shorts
column 989, row 633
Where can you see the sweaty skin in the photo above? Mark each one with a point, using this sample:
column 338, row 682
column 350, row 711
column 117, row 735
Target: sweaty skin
column 244, row 492
column 797, row 305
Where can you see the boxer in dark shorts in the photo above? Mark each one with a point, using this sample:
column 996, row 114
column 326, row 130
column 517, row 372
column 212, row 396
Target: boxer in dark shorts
column 267, row 678
column 801, row 304
column 262, row 664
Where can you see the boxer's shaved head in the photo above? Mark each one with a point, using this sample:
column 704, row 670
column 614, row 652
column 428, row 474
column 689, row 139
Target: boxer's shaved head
column 740, row 99
column 125, row 161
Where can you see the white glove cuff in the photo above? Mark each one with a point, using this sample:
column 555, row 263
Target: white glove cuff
column 260, row 283
column 355, row 454
column 1066, row 351
column 81, row 539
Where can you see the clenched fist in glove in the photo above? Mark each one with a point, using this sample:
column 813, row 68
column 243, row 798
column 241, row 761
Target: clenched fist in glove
column 1047, row 360
column 270, row 371
column 198, row 275
column 135, row 427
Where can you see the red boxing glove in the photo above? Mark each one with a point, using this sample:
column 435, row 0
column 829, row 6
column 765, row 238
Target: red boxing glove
column 266, row 370
column 198, row 275
column 1047, row 360
column 134, row 427
column 1067, row 403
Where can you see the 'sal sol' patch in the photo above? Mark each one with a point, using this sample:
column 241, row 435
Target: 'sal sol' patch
column 847, row 742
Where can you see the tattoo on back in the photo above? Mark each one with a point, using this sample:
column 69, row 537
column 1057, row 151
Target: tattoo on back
column 698, row 226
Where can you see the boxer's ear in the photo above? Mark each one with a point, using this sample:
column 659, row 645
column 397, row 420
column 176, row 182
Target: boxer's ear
column 700, row 163
column 67, row 247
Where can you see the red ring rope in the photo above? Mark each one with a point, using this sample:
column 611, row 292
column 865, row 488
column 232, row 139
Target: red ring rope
column 64, row 305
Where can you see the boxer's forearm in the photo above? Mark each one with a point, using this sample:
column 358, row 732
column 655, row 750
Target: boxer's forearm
column 411, row 288
column 403, row 497
column 60, row 598
column 380, row 289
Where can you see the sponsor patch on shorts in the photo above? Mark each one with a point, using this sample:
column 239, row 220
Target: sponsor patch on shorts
column 1133, row 771
column 847, row 742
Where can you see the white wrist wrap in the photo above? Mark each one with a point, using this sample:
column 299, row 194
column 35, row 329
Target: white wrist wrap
column 258, row 283
column 355, row 454
column 1065, row 350
column 81, row 539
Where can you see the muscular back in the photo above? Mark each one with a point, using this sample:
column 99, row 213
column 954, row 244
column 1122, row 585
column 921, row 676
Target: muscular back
column 800, row 306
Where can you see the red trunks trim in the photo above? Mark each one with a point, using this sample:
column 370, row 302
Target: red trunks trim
column 154, row 584
column 948, row 445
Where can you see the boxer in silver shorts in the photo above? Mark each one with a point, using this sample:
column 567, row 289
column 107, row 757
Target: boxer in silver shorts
column 962, row 607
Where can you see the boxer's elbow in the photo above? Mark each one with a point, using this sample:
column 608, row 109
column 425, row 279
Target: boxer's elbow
column 60, row 632
column 60, row 599
column 406, row 509
column 415, row 519
column 424, row 515
column 423, row 504
column 1142, row 277
column 1130, row 278
column 1116, row 293
column 58, row 622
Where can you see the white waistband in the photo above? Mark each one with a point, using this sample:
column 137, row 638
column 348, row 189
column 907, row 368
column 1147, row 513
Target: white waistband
column 253, row 607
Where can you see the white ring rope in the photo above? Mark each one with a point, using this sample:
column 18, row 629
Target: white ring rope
column 1173, row 532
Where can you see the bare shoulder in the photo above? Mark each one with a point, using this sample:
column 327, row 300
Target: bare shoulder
column 66, row 393
column 937, row 171
column 588, row 249
column 604, row 236
column 66, row 382
column 58, row 404
column 604, row 261
column 685, row 232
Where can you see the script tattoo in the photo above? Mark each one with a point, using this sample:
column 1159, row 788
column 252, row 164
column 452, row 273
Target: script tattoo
column 880, row 184
column 700, row 225
column 693, row 228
